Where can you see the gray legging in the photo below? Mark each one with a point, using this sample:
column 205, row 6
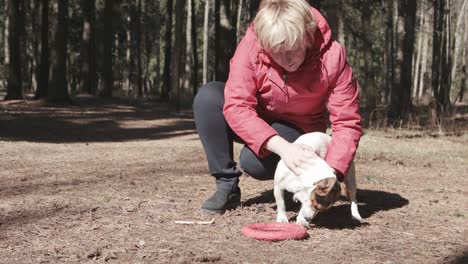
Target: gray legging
column 217, row 137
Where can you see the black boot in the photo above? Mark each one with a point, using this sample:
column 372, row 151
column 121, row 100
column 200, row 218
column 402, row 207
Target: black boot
column 227, row 196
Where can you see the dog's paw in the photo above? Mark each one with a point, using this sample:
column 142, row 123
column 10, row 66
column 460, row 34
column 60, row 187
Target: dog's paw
column 302, row 221
column 282, row 219
column 355, row 213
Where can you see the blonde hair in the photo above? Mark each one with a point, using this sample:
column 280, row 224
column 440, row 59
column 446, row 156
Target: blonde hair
column 284, row 24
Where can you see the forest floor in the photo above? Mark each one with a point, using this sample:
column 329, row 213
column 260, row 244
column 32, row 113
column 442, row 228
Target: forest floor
column 103, row 182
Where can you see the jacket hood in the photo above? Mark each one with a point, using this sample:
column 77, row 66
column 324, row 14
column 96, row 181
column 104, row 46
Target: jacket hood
column 322, row 33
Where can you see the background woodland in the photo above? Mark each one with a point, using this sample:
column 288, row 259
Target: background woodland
column 405, row 54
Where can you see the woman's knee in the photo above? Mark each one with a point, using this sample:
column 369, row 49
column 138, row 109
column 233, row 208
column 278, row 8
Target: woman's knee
column 210, row 94
column 253, row 166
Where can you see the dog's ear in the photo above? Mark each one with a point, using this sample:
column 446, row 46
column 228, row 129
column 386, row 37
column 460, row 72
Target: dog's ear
column 323, row 187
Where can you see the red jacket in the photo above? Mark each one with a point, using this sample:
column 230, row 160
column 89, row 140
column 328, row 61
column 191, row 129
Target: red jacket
column 258, row 92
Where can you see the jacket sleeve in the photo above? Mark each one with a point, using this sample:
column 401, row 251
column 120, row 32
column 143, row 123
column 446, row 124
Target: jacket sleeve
column 343, row 106
column 241, row 101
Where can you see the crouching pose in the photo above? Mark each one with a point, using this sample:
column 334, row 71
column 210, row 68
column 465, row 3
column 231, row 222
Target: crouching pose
column 286, row 77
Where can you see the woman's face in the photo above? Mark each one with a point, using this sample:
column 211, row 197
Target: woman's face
column 289, row 59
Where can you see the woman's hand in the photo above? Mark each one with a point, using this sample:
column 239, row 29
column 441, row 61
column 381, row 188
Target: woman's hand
column 294, row 155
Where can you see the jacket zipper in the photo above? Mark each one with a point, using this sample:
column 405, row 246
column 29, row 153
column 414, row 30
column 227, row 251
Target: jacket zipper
column 284, row 80
column 284, row 86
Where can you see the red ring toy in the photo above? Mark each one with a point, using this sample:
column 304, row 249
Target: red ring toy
column 273, row 232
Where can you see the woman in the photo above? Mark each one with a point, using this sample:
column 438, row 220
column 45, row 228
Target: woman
column 286, row 74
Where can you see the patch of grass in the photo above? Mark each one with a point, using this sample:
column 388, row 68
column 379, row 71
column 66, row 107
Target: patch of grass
column 371, row 178
column 458, row 214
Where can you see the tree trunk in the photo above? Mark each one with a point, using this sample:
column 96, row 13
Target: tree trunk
column 458, row 39
column 239, row 19
column 437, row 46
column 422, row 87
column 188, row 70
column 157, row 47
column 107, row 47
column 397, row 88
column 14, row 83
column 225, row 40
column 128, row 68
column 166, row 87
column 389, row 52
column 205, row 41
column 6, row 28
column 463, row 77
column 420, row 36
column 139, row 71
column 445, row 82
column 34, row 45
column 88, row 48
column 58, row 91
column 44, row 63
column 335, row 17
column 369, row 83
column 408, row 49
column 177, row 54
column 196, row 63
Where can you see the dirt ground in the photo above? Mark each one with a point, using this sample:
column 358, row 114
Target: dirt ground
column 104, row 181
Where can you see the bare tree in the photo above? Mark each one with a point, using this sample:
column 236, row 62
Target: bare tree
column 14, row 83
column 44, row 65
column 189, row 54
column 58, row 90
column 401, row 94
column 418, row 53
column 88, row 47
column 177, row 54
column 107, row 43
column 205, row 40
column 440, row 58
column 166, row 86
column 368, row 82
column 225, row 40
column 139, row 71
column 458, row 38
column 6, row 22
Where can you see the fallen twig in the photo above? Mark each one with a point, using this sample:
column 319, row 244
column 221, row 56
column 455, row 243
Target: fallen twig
column 195, row 222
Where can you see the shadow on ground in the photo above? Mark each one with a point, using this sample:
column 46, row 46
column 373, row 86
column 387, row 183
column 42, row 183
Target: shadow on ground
column 91, row 120
column 339, row 216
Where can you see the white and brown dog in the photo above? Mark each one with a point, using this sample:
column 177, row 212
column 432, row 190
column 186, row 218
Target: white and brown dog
column 317, row 187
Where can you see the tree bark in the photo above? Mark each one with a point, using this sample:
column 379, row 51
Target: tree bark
column 369, row 83
column 58, row 91
column 389, row 54
column 107, row 44
column 206, row 40
column 458, row 39
column 14, row 83
column 422, row 78
column 44, row 63
column 166, row 87
column 6, row 28
column 408, row 49
column 188, row 69
column 88, row 48
column 225, row 40
column 418, row 53
column 139, row 71
column 177, row 54
column 194, row 52
column 438, row 28
column 396, row 90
